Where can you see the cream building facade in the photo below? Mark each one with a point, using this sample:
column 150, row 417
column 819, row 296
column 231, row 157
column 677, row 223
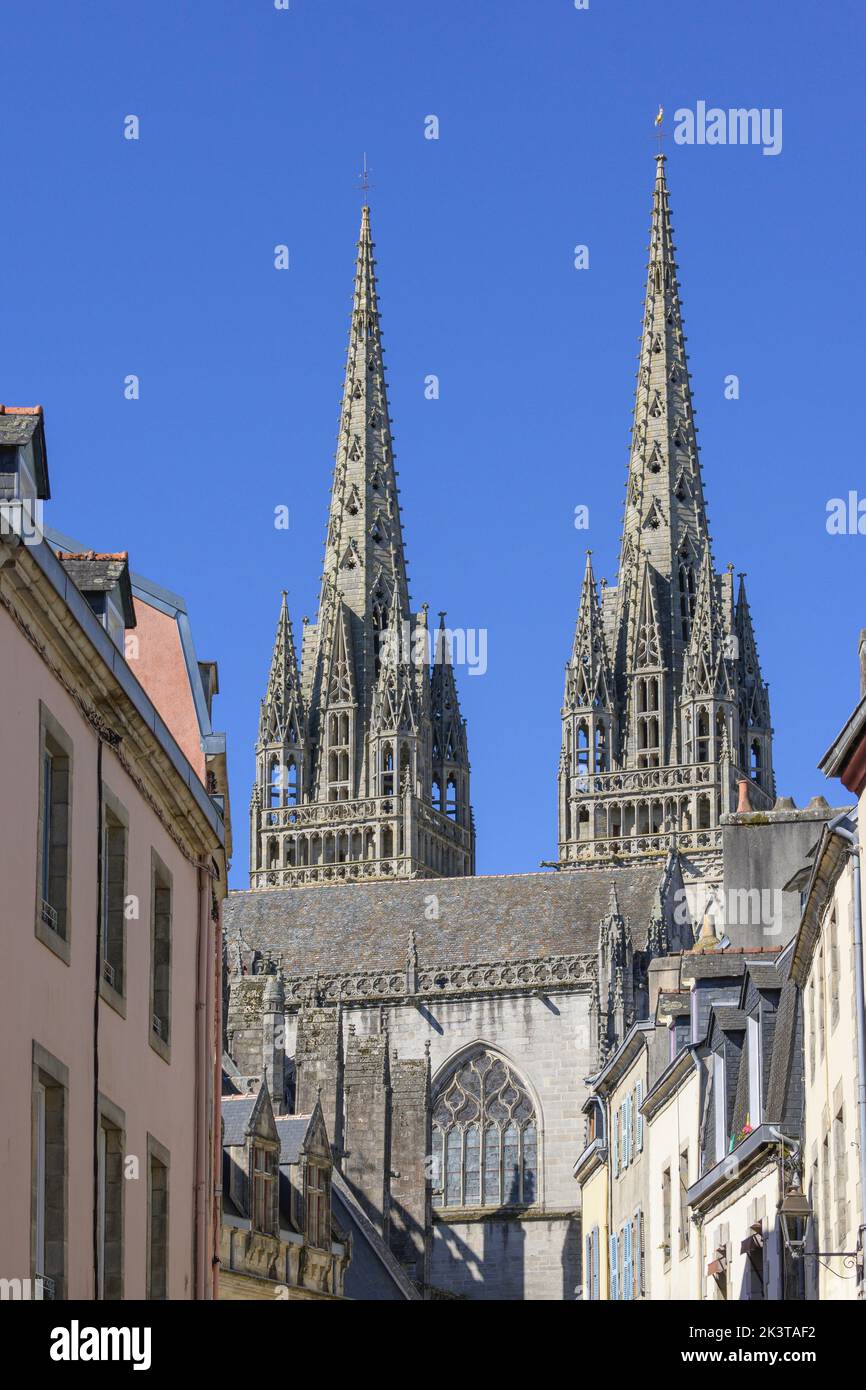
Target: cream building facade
column 828, row 965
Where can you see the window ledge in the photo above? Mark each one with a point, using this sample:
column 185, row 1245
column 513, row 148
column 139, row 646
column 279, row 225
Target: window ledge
column 160, row 1046
column 112, row 997
column 53, row 940
column 461, row 1215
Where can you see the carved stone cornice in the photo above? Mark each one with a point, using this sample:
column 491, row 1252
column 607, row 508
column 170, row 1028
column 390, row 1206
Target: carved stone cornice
column 561, row 972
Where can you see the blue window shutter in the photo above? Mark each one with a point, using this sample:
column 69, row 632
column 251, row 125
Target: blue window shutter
column 595, row 1262
column 614, row 1281
column 623, row 1156
column 614, row 1143
column 630, row 1261
column 626, row 1262
column 638, row 1251
column 638, row 1116
column 626, row 1138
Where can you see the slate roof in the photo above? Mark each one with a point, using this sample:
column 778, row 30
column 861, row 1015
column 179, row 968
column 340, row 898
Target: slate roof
column 95, row 573
column 729, row 1019
column 361, row 926
column 292, row 1130
column 21, row 425
column 765, row 976
column 236, row 1112
column 348, row 1211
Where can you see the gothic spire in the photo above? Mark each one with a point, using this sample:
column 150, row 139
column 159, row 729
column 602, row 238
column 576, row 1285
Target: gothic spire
column 588, row 679
column 449, row 732
column 282, row 719
column 754, row 694
column 665, row 515
column 364, row 546
column 707, row 670
column 682, row 697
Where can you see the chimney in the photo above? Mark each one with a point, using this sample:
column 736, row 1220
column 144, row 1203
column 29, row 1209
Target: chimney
column 744, row 806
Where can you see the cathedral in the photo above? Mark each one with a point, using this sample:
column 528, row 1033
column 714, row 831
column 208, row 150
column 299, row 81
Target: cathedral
column 445, row 1022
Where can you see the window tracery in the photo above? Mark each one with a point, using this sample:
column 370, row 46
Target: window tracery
column 485, row 1137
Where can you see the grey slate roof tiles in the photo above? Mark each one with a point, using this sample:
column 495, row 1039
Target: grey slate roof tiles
column 236, row 1112
column 366, row 926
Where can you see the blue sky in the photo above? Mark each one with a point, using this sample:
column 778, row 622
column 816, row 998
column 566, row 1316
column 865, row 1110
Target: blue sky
column 155, row 257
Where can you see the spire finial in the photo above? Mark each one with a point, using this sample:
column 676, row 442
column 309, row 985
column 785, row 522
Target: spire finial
column 660, row 135
column 364, row 181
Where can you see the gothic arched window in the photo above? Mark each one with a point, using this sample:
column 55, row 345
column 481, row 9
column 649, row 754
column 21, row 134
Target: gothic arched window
column 582, row 747
column 485, row 1137
column 275, row 783
column 292, row 783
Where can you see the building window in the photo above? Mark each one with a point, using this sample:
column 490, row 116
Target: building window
column 841, row 1175
column 627, row 1262
column 275, row 784
column 720, row 1108
column 160, row 953
column 638, row 1253
column 666, row 1214
column 157, row 1220
column 819, row 972
column 113, row 914
column 263, row 1189
column 833, row 935
column 109, row 1159
column 638, row 1117
column 684, row 1201
column 318, row 1206
column 754, row 1046
column 49, row 1174
column 484, row 1127
column 55, row 797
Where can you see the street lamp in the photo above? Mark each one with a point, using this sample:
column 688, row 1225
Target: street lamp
column 795, row 1215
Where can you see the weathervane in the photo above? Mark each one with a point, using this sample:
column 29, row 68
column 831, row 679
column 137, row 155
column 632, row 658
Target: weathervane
column 660, row 134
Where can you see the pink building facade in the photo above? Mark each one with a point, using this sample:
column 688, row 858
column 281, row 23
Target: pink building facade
column 113, row 858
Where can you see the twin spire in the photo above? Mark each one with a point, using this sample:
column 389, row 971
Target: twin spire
column 664, row 678
column 363, row 721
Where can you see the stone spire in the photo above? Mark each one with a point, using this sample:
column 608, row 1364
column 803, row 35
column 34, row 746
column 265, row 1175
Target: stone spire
column 676, row 688
column 665, row 516
column 364, row 557
column 756, row 731
column 364, row 698
column 282, row 750
column 282, row 714
column 707, row 671
column 450, row 752
column 588, row 676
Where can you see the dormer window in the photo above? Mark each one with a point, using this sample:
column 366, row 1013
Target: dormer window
column 318, row 1206
column 104, row 581
column 16, row 476
column 264, row 1165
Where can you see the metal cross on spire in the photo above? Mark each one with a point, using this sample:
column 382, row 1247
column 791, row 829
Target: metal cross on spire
column 364, row 180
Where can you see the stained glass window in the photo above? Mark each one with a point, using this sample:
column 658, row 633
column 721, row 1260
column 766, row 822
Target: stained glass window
column 484, row 1124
